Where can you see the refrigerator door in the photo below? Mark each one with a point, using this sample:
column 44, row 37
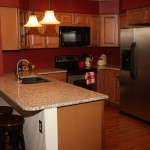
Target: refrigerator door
column 135, row 93
column 126, row 38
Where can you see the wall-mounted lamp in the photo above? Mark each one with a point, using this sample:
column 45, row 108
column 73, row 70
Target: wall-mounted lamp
column 49, row 17
column 32, row 22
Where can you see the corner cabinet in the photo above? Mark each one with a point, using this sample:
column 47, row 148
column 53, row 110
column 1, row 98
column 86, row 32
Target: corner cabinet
column 109, row 30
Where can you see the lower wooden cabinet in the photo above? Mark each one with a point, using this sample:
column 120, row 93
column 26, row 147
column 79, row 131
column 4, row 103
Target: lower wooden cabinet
column 102, row 81
column 80, row 127
column 108, row 83
column 113, row 86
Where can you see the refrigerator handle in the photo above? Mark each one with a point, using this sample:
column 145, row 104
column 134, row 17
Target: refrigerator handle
column 133, row 69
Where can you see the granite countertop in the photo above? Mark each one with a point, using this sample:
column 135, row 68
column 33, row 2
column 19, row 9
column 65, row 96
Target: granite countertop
column 39, row 96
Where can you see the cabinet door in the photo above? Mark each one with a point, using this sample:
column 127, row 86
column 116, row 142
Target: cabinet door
column 36, row 35
column 81, row 19
column 135, row 16
column 109, row 30
column 113, row 86
column 66, row 19
column 94, row 27
column 52, row 36
column 102, row 81
column 9, row 28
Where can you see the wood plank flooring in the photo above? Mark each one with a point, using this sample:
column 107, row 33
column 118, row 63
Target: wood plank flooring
column 123, row 132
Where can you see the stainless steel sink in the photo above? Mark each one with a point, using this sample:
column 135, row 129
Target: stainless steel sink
column 32, row 80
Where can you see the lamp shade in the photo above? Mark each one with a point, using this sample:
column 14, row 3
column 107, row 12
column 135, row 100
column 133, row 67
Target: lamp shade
column 32, row 22
column 49, row 18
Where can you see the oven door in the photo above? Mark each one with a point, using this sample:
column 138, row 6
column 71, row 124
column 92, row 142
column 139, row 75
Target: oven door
column 79, row 80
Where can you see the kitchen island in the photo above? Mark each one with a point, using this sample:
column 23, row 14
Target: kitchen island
column 58, row 115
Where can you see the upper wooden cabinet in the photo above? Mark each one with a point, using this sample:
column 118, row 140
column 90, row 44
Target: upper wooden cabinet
column 135, row 16
column 46, row 36
column 109, row 30
column 9, row 18
column 36, row 35
column 138, row 16
column 94, row 30
column 14, row 35
column 103, row 29
column 81, row 19
column 123, row 21
column 66, row 19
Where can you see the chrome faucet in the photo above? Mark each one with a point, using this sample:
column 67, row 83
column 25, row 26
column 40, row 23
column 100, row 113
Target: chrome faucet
column 17, row 73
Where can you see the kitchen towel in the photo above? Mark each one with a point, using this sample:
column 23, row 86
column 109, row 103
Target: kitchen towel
column 90, row 78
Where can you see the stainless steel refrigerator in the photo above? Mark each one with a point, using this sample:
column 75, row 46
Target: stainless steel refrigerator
column 135, row 72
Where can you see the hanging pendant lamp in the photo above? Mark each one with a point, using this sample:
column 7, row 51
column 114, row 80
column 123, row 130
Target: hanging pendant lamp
column 49, row 17
column 32, row 22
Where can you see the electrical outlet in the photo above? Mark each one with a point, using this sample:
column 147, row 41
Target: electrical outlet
column 40, row 126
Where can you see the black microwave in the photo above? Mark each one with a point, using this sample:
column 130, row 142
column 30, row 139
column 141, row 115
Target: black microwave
column 74, row 36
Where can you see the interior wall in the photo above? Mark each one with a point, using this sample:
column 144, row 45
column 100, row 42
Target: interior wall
column 45, row 58
column 130, row 4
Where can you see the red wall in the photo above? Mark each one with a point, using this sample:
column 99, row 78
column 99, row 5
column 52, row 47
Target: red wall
column 130, row 4
column 44, row 58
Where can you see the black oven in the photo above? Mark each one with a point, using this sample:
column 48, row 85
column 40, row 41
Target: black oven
column 76, row 75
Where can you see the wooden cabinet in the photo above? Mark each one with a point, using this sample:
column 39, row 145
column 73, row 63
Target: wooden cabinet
column 9, row 19
column 46, row 36
column 78, row 129
column 113, row 86
column 109, row 30
column 36, row 35
column 123, row 21
column 51, row 36
column 81, row 19
column 66, row 19
column 108, row 83
column 102, row 81
column 62, row 76
column 135, row 16
column 94, row 30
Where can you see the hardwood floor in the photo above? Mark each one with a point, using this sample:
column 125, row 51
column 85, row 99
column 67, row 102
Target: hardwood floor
column 123, row 132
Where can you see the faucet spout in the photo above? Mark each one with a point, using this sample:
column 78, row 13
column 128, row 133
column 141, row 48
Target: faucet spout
column 17, row 73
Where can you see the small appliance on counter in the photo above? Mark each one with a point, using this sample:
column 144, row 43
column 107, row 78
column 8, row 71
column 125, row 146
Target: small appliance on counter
column 88, row 61
column 102, row 60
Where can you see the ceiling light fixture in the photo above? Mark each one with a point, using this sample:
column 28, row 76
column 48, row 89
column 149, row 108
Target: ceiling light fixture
column 32, row 22
column 49, row 17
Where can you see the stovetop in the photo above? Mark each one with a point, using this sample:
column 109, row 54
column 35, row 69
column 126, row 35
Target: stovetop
column 70, row 63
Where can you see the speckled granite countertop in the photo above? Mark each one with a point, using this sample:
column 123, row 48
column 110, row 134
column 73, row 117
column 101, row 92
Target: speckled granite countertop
column 32, row 97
